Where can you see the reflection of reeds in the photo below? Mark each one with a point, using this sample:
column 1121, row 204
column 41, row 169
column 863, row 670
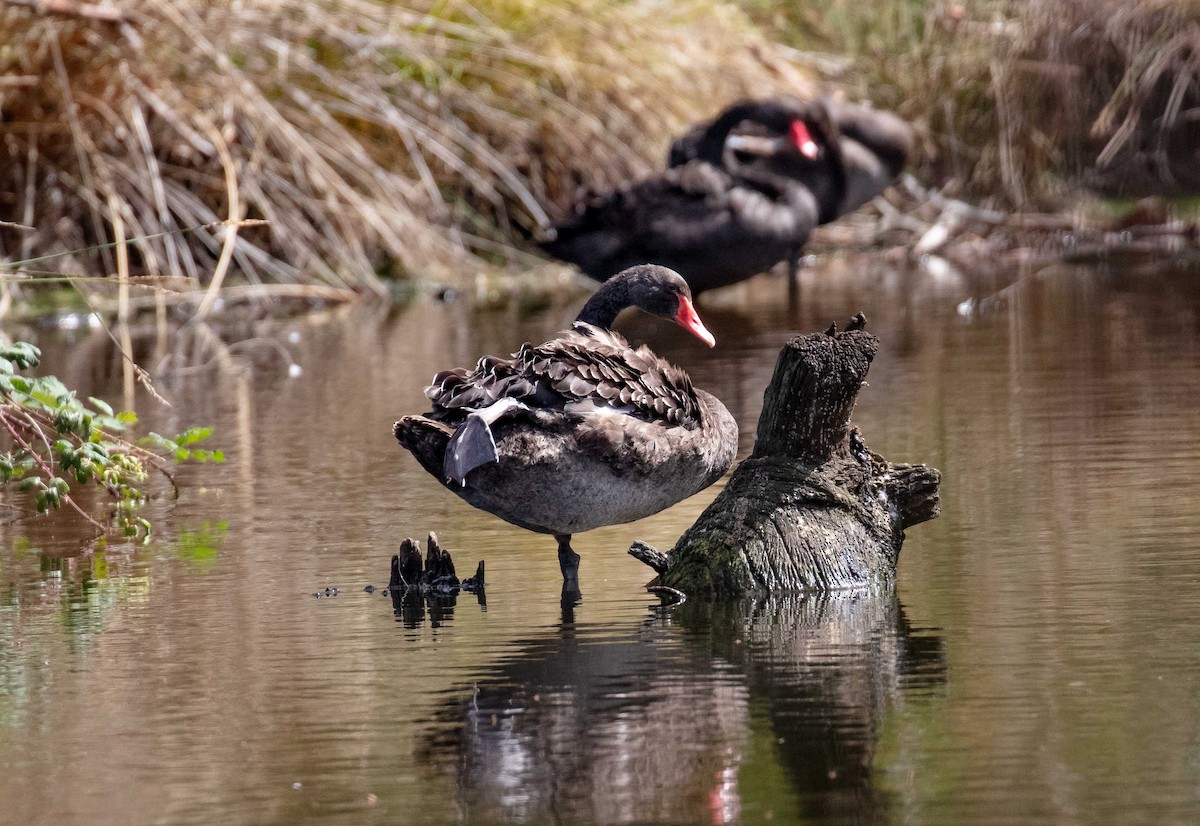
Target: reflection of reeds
column 372, row 137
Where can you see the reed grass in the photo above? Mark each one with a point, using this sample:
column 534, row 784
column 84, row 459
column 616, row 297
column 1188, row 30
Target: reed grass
column 376, row 140
column 1119, row 85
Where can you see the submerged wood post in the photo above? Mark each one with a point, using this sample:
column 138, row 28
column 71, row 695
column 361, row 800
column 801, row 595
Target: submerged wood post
column 812, row 508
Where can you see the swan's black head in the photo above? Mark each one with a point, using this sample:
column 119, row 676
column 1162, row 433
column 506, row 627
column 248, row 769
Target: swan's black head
column 784, row 142
column 753, row 130
column 806, row 127
column 656, row 290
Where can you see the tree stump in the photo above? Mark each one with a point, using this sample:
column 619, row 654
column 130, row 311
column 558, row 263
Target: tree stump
column 812, row 508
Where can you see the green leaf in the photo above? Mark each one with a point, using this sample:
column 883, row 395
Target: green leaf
column 83, row 443
column 54, row 386
column 193, row 435
column 40, row 394
column 108, row 423
column 97, row 450
column 156, row 440
column 101, row 405
column 21, row 353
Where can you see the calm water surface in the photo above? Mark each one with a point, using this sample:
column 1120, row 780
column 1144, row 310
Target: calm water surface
column 1038, row 663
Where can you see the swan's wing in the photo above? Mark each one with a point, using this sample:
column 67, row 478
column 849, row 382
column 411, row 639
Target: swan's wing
column 721, row 213
column 586, row 369
column 596, row 369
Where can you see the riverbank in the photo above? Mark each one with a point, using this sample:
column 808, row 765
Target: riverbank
column 312, row 152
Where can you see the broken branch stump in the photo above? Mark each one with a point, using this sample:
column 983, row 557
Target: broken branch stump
column 812, row 508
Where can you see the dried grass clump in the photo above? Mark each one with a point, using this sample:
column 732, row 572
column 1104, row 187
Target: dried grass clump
column 1116, row 91
column 372, row 137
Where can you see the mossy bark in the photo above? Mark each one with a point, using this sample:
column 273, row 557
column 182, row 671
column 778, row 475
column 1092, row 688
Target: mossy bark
column 812, row 508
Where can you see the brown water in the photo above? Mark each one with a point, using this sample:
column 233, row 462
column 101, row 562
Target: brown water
column 1039, row 663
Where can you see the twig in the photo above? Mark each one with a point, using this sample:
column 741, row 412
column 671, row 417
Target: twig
column 250, row 292
column 662, row 590
column 235, row 215
column 243, row 223
column 127, row 355
column 67, row 8
column 650, row 555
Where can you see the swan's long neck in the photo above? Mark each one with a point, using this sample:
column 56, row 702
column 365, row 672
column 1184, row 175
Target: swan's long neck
column 711, row 147
column 606, row 303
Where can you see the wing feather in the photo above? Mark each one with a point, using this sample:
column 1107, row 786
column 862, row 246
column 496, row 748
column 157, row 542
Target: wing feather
column 586, row 368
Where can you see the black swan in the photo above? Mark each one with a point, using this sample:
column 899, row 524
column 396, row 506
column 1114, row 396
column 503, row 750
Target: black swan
column 724, row 216
column 582, row 431
column 874, row 146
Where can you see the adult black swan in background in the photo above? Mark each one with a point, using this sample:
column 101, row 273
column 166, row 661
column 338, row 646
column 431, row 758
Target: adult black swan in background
column 874, row 146
column 582, row 431
column 724, row 216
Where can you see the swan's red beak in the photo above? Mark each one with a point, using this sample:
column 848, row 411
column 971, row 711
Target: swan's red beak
column 688, row 320
column 803, row 140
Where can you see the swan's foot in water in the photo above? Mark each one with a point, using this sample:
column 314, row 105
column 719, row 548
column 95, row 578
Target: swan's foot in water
column 568, row 560
column 571, row 597
column 793, row 280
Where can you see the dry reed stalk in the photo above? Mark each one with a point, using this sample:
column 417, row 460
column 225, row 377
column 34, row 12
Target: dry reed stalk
column 125, row 342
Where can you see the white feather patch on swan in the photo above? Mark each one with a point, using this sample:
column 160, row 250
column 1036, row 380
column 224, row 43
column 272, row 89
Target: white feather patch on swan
column 496, row 409
column 473, row 444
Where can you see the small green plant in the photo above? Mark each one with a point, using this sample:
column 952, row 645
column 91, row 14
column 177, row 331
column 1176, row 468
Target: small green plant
column 55, row 439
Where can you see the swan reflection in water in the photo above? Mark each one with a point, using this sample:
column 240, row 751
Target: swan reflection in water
column 704, row 714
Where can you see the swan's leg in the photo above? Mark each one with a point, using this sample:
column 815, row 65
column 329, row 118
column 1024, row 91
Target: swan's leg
column 570, row 600
column 568, row 560
column 793, row 279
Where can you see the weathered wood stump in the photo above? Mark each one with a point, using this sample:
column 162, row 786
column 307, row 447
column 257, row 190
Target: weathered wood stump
column 438, row 574
column 812, row 508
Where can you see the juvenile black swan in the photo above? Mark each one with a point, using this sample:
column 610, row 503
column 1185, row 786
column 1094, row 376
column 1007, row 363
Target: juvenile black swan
column 724, row 216
column 874, row 146
column 582, row 431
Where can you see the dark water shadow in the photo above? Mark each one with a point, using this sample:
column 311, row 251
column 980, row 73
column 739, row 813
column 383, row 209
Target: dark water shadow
column 412, row 607
column 707, row 713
